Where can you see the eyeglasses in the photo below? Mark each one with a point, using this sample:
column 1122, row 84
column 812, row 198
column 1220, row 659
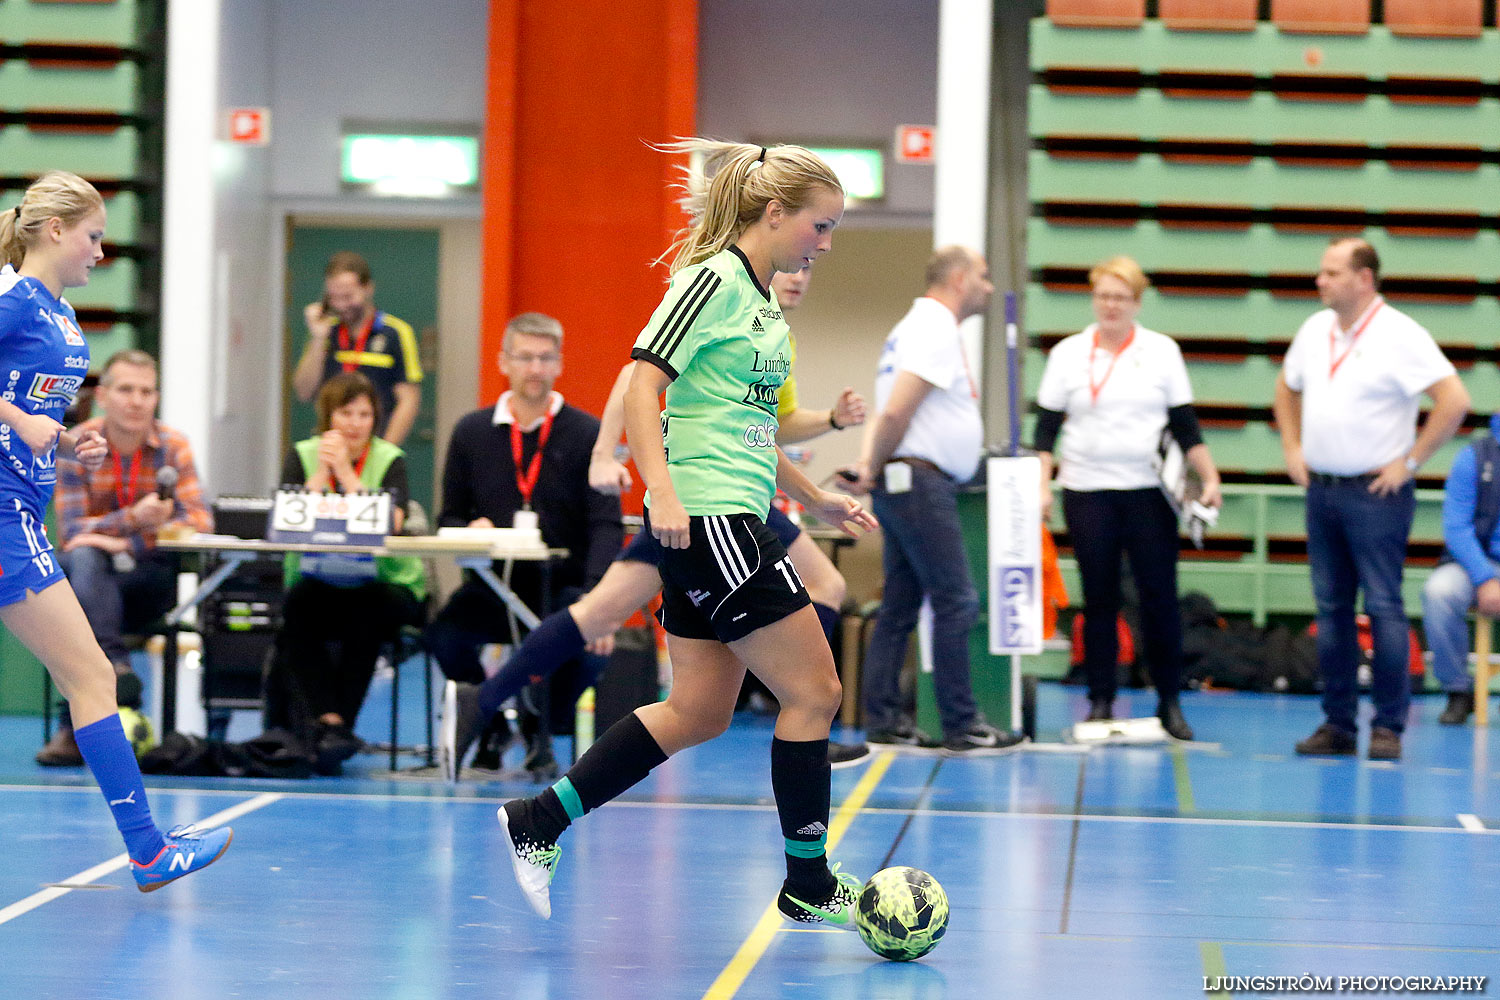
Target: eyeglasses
column 525, row 360
column 1113, row 297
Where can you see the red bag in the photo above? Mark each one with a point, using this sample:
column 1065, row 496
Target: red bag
column 1122, row 632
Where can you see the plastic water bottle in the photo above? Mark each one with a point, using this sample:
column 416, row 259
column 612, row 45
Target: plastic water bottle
column 583, row 723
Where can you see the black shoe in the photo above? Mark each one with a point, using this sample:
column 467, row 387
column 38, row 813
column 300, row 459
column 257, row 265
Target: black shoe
column 1385, row 744
column 1100, row 710
column 1460, row 707
column 461, row 726
column 1328, row 740
column 540, row 762
column 981, row 740
column 847, row 754
column 127, row 686
column 336, row 744
column 61, row 750
column 1172, row 721
column 908, row 739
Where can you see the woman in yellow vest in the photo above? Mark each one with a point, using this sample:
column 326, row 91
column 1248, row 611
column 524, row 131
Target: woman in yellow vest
column 341, row 609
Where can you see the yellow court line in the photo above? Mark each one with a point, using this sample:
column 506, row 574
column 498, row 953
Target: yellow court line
column 1212, row 954
column 770, row 922
column 1180, row 778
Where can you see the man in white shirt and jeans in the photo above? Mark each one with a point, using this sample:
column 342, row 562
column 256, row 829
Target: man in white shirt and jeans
column 1346, row 404
column 923, row 446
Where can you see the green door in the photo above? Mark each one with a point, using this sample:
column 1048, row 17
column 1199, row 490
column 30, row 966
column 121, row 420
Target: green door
column 404, row 265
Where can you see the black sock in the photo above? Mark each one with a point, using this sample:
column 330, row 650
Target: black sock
column 551, row 644
column 620, row 758
column 828, row 618
column 800, row 782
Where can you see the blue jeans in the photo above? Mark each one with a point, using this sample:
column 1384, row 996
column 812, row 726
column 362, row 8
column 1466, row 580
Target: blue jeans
column 1356, row 541
column 1446, row 600
column 115, row 602
column 923, row 556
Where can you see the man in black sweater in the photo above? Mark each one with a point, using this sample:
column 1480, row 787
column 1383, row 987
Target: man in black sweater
column 529, row 452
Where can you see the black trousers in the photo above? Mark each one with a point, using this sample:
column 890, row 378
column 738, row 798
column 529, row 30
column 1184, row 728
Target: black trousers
column 1104, row 524
column 326, row 651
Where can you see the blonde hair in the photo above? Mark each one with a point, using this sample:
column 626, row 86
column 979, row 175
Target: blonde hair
column 1124, row 268
column 727, row 185
column 55, row 195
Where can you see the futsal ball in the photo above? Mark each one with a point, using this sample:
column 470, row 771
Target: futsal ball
column 901, row 913
column 137, row 730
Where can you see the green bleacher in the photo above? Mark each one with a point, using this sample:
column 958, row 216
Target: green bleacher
column 1223, row 162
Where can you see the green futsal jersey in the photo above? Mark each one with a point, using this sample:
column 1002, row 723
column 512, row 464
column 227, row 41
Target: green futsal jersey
column 721, row 339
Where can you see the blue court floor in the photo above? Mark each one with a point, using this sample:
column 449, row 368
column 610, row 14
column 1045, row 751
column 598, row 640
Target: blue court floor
column 1115, row 872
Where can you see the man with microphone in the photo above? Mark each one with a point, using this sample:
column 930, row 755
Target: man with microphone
column 110, row 519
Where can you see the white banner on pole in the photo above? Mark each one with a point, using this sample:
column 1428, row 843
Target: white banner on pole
column 1015, row 554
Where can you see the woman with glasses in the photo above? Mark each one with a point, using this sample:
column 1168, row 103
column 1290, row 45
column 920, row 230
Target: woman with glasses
column 1111, row 390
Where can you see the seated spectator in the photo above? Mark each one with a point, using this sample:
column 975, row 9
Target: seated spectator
column 530, row 451
column 110, row 519
column 1469, row 576
column 341, row 610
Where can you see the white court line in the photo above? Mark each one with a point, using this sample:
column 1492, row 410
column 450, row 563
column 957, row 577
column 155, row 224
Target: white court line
column 1061, row 816
column 1470, row 822
column 47, row 895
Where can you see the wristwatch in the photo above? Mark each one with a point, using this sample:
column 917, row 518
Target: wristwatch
column 1412, row 465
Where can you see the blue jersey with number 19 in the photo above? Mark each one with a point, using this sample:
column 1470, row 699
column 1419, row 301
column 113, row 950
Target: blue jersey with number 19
column 43, row 360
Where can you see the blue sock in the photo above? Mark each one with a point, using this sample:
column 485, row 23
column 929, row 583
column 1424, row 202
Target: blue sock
column 110, row 757
column 551, row 644
column 828, row 618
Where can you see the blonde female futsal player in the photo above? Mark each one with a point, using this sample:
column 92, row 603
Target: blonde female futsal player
column 51, row 241
column 731, row 599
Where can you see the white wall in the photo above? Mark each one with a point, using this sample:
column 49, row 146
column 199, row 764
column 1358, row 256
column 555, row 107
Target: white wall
column 776, row 70
column 845, row 71
column 317, row 64
column 248, row 380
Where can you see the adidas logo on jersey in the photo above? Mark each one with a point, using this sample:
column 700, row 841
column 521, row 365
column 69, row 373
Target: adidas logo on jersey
column 698, row 596
column 755, row 326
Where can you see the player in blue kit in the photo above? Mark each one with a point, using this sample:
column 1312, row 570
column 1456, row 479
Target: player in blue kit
column 51, row 241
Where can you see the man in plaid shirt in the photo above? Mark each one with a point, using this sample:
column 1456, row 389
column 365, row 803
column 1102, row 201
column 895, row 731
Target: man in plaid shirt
column 110, row 520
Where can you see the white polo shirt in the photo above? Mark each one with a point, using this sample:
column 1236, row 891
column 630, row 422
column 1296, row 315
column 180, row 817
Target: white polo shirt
column 1360, row 395
column 1115, row 416
column 946, row 429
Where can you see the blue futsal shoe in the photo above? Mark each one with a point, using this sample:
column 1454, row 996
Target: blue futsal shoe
column 187, row 850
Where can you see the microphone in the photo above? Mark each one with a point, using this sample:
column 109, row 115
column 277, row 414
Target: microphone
column 166, row 482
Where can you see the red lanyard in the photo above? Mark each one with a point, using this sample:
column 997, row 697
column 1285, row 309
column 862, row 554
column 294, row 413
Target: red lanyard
column 359, row 345
column 125, row 497
column 1094, row 389
column 964, row 356
column 1334, row 362
column 359, row 467
column 526, row 482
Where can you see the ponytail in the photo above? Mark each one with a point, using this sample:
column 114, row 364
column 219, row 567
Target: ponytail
column 727, row 185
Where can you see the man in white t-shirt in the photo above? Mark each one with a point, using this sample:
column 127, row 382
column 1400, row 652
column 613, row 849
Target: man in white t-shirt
column 1346, row 404
column 923, row 446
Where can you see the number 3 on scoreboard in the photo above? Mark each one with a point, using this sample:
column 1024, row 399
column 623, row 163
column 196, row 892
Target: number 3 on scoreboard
column 292, row 512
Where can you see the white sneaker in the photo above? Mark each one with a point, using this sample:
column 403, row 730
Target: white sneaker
column 534, row 864
column 448, row 734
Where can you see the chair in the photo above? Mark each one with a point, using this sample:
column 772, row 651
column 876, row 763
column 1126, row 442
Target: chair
column 1483, row 625
column 1097, row 13
column 1208, row 15
column 405, row 646
column 1322, row 17
column 1435, row 18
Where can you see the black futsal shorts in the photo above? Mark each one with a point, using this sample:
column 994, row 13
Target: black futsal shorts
column 733, row 578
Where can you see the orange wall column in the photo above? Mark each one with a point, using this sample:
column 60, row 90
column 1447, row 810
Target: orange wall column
column 576, row 205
